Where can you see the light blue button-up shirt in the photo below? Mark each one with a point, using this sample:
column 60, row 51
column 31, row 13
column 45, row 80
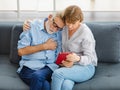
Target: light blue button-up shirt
column 38, row 35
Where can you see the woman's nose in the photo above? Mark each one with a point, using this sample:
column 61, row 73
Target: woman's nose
column 69, row 26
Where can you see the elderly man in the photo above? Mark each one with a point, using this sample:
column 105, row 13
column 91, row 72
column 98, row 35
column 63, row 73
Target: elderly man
column 39, row 48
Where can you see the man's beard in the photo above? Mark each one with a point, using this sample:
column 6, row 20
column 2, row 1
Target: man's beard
column 48, row 28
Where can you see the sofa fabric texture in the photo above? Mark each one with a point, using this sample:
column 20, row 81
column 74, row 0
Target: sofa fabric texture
column 5, row 35
column 15, row 32
column 107, row 37
column 107, row 75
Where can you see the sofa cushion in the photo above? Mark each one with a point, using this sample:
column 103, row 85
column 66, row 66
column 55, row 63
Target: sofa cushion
column 107, row 77
column 17, row 29
column 107, row 37
column 9, row 79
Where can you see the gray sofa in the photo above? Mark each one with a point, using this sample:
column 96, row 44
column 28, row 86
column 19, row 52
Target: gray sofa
column 107, row 76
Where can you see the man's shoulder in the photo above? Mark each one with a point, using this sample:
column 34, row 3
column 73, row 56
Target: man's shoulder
column 37, row 21
column 37, row 24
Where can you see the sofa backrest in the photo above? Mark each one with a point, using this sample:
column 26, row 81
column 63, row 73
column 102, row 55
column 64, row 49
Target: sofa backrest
column 5, row 36
column 107, row 37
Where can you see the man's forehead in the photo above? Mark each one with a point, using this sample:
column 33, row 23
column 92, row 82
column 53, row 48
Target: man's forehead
column 58, row 21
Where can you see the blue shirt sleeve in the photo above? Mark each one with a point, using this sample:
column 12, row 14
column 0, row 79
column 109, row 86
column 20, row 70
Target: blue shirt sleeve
column 24, row 39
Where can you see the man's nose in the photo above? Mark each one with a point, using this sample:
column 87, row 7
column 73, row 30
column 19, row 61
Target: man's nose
column 55, row 29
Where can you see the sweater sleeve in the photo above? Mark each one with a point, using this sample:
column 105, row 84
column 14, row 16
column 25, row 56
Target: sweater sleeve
column 89, row 55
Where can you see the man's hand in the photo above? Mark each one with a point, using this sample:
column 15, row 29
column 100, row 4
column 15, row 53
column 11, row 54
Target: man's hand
column 50, row 44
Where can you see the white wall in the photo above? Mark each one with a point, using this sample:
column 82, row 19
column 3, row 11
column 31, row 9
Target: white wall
column 104, row 9
column 48, row 5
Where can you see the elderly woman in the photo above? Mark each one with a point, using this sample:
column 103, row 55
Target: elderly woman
column 77, row 38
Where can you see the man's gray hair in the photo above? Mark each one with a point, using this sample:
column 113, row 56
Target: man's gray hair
column 58, row 14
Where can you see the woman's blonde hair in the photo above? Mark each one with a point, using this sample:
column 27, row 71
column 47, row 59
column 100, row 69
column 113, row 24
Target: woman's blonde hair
column 72, row 14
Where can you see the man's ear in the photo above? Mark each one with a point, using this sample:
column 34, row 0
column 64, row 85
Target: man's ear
column 50, row 16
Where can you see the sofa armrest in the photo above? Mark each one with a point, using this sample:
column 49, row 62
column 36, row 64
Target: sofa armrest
column 16, row 30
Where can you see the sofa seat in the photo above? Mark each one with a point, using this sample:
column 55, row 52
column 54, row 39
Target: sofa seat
column 9, row 79
column 107, row 77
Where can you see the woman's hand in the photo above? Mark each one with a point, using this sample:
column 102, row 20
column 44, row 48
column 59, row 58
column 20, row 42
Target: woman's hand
column 66, row 63
column 73, row 57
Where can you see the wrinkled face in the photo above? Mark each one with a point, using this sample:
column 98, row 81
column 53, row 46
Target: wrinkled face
column 54, row 24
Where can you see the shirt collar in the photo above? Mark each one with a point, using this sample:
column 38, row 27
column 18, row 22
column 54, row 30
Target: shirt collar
column 42, row 23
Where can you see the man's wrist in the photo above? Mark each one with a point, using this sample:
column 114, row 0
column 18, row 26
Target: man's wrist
column 44, row 46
